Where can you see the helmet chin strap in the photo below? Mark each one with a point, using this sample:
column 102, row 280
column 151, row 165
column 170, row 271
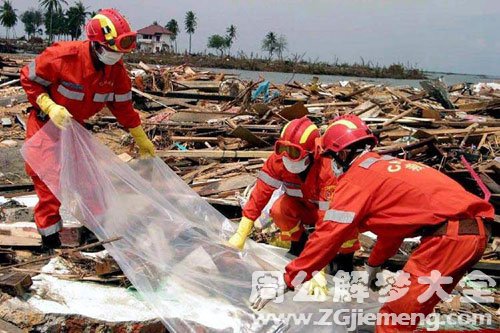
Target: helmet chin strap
column 352, row 154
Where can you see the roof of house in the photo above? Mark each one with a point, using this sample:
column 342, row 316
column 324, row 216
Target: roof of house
column 154, row 29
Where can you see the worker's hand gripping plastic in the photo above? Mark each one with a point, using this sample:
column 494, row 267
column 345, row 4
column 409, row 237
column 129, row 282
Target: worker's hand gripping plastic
column 57, row 113
column 318, row 286
column 146, row 147
column 244, row 228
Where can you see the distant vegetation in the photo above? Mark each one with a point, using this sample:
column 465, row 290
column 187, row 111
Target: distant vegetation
column 67, row 23
column 294, row 64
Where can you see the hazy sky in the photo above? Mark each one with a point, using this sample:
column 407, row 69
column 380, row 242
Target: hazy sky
column 441, row 35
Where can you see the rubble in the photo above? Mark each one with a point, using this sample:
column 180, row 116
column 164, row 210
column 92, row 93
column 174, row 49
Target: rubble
column 215, row 131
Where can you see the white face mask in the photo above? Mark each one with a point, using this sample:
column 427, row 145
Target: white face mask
column 296, row 166
column 337, row 169
column 108, row 57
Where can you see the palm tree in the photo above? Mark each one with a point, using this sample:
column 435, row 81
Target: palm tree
column 281, row 45
column 27, row 19
column 231, row 36
column 52, row 6
column 76, row 16
column 190, row 25
column 8, row 16
column 173, row 27
column 37, row 20
column 269, row 43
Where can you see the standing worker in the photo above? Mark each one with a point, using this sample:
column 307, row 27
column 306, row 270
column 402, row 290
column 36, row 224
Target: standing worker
column 394, row 199
column 76, row 80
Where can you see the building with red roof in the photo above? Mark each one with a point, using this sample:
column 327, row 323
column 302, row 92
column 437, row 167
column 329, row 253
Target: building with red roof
column 153, row 38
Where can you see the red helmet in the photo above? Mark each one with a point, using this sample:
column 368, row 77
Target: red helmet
column 297, row 139
column 344, row 131
column 111, row 29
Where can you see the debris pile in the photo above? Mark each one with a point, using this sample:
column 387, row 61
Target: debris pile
column 215, row 131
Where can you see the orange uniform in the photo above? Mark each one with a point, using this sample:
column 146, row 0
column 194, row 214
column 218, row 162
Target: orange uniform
column 298, row 206
column 394, row 199
column 303, row 201
column 66, row 72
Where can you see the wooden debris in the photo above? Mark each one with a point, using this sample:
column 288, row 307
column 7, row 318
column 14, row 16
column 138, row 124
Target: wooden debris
column 15, row 283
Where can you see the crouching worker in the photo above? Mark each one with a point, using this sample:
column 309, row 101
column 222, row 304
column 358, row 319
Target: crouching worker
column 75, row 80
column 394, row 199
column 294, row 167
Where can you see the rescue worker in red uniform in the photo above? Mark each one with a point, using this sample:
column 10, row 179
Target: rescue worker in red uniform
column 75, row 80
column 394, row 199
column 294, row 167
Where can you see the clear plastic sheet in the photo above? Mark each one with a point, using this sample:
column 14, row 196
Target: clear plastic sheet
column 172, row 247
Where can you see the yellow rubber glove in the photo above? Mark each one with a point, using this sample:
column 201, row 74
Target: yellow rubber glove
column 59, row 115
column 244, row 228
column 317, row 285
column 146, row 147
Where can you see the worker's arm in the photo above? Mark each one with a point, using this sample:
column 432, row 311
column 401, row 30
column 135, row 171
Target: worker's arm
column 121, row 106
column 348, row 206
column 123, row 109
column 38, row 75
column 384, row 249
column 268, row 181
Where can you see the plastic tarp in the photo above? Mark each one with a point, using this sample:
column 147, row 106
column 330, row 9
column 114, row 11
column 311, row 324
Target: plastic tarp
column 172, row 247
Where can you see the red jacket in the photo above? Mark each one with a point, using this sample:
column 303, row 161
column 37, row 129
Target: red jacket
column 391, row 197
column 65, row 71
column 274, row 174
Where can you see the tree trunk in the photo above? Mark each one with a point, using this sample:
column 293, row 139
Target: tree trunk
column 50, row 28
column 190, row 43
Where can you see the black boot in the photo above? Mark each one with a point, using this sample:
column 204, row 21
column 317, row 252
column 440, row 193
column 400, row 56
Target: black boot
column 51, row 242
column 297, row 247
column 342, row 262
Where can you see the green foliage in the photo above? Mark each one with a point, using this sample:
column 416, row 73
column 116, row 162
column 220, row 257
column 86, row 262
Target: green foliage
column 76, row 16
column 173, row 27
column 32, row 20
column 53, row 8
column 231, row 36
column 269, row 43
column 190, row 24
column 8, row 16
column 218, row 42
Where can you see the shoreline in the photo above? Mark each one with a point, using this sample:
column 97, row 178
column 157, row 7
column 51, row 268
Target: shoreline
column 394, row 71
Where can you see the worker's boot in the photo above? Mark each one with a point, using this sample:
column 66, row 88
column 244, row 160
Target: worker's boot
column 296, row 247
column 51, row 242
column 342, row 262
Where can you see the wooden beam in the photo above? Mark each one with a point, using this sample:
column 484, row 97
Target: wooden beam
column 438, row 132
column 15, row 283
column 194, row 139
column 215, row 154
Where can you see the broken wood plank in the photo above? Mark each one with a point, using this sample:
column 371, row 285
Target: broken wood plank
column 228, row 184
column 452, row 131
column 207, row 86
column 215, row 154
column 66, row 251
column 191, row 175
column 399, row 116
column 6, row 327
column 15, row 283
column 198, row 117
column 245, row 134
column 298, row 110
